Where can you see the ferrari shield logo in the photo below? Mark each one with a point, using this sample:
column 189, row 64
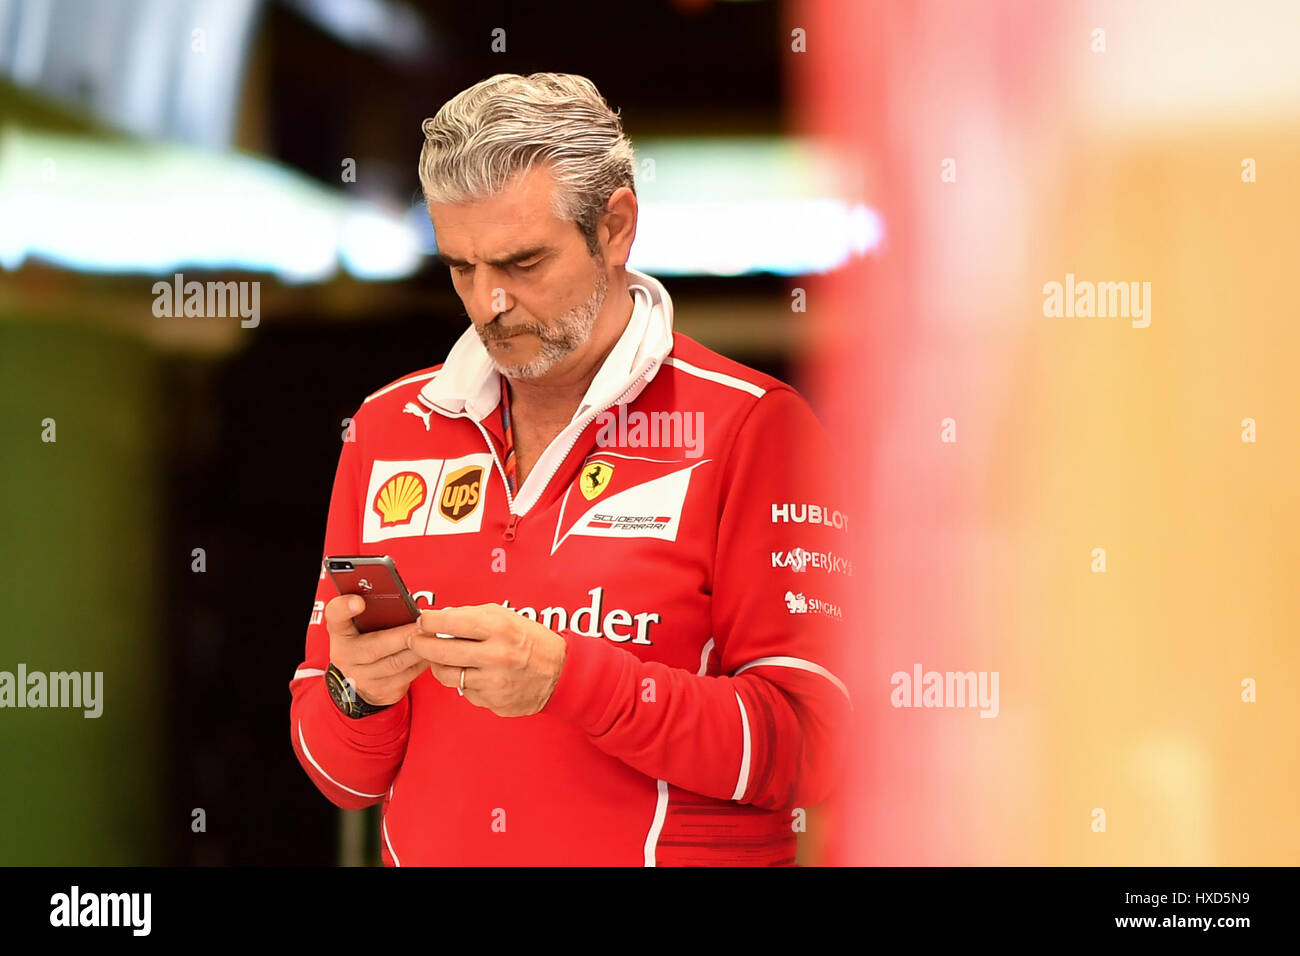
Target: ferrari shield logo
column 595, row 478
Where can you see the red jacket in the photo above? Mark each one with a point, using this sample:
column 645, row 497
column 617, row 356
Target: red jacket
column 686, row 538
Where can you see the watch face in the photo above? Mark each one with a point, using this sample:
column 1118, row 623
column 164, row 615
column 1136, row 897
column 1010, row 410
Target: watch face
column 339, row 691
column 344, row 694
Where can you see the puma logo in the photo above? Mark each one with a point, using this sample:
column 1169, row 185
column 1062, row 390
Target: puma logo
column 415, row 409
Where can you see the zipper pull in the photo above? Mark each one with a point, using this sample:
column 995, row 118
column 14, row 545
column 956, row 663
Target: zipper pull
column 510, row 528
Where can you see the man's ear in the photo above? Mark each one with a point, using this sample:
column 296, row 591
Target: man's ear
column 617, row 227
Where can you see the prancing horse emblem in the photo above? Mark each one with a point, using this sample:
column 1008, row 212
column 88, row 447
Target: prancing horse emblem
column 595, row 478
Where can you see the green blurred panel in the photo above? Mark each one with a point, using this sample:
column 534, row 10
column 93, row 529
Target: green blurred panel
column 79, row 580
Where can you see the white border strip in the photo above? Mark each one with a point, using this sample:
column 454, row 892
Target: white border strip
column 720, row 377
column 406, row 381
column 661, row 804
column 302, row 672
column 391, row 851
column 743, row 782
column 384, row 823
column 661, row 811
column 799, row 664
column 307, row 753
column 598, row 455
column 704, row 658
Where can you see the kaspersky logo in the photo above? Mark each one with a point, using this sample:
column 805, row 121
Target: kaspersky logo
column 398, row 498
column 800, row 560
column 460, row 493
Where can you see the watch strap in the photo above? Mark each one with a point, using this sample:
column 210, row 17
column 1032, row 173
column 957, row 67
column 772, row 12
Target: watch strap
column 344, row 694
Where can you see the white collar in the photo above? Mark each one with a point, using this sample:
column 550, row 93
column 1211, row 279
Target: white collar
column 468, row 382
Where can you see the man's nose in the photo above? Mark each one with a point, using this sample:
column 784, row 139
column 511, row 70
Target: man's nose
column 491, row 294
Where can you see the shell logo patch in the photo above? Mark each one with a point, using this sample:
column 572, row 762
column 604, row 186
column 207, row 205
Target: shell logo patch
column 460, row 493
column 426, row 496
column 399, row 496
column 595, row 479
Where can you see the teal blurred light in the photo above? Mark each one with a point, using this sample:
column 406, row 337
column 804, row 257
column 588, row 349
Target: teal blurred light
column 133, row 207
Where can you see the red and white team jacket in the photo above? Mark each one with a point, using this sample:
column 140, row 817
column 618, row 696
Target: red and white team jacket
column 684, row 535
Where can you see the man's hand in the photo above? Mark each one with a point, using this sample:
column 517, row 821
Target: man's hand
column 511, row 664
column 380, row 664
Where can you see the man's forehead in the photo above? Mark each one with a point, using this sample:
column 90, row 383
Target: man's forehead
column 525, row 198
column 496, row 228
column 490, row 240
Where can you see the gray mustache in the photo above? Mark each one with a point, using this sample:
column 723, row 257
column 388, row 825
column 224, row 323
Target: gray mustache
column 510, row 332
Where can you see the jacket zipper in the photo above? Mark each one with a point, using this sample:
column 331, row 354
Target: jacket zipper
column 594, row 415
column 509, row 533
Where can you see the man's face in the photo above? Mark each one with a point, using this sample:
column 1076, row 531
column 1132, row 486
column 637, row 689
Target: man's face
column 527, row 280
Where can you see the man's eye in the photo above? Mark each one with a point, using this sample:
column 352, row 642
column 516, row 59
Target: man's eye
column 524, row 267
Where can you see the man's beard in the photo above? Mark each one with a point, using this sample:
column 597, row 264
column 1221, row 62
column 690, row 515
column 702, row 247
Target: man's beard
column 562, row 337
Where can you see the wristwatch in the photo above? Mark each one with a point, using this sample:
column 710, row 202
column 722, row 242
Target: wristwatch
column 345, row 695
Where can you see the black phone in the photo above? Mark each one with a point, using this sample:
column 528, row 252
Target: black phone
column 375, row 578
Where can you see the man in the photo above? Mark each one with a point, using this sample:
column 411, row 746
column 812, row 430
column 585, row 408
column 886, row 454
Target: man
column 632, row 542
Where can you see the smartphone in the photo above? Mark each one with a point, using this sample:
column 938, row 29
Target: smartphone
column 375, row 578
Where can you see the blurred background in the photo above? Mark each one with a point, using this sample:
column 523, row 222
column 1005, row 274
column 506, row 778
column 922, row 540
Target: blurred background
column 865, row 199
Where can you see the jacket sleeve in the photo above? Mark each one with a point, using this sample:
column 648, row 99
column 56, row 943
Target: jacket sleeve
column 769, row 728
column 352, row 761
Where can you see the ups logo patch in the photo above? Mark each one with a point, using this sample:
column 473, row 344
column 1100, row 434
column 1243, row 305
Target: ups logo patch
column 460, row 493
